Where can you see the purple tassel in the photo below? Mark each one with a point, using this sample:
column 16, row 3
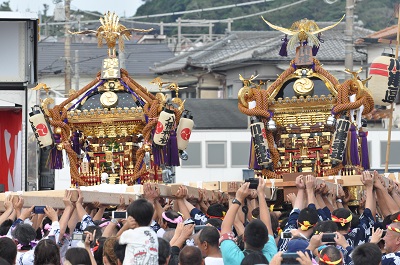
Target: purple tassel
column 253, row 164
column 75, row 143
column 156, row 152
column 56, row 155
column 283, row 50
column 364, row 150
column 355, row 160
column 315, row 50
column 172, row 151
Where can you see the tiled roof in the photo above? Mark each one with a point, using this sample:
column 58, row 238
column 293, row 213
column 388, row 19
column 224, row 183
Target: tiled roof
column 216, row 114
column 260, row 45
column 206, row 55
column 139, row 57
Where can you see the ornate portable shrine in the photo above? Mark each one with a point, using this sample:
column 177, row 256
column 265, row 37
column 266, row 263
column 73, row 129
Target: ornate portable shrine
column 309, row 122
column 113, row 127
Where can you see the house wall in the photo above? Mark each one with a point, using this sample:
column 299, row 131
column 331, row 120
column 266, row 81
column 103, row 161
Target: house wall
column 208, row 94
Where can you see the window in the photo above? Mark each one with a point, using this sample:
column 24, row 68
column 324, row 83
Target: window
column 230, row 91
column 194, row 152
column 394, row 153
column 216, row 154
column 240, row 154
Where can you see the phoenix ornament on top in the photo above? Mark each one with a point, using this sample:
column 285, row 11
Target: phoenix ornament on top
column 112, row 31
column 302, row 31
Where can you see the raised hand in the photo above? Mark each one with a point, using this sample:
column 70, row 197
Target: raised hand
column 376, row 236
column 80, row 197
column 67, row 199
column 341, row 240
column 291, row 197
column 303, row 258
column 8, row 202
column 243, row 192
column 261, row 186
column 51, row 213
column 121, row 206
column 310, row 182
column 367, row 179
column 150, row 192
column 180, row 193
column 19, row 203
column 300, row 184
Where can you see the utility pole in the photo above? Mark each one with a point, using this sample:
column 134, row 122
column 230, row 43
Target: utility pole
column 76, row 70
column 349, row 35
column 67, row 47
column 121, row 58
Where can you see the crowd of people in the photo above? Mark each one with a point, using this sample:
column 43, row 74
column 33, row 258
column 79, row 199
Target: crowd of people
column 235, row 228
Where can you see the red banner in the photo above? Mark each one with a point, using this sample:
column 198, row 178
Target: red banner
column 10, row 142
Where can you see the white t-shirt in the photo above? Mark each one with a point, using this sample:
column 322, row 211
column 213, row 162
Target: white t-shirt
column 142, row 246
column 213, row 261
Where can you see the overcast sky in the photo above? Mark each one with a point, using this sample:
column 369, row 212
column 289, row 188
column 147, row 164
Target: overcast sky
column 121, row 7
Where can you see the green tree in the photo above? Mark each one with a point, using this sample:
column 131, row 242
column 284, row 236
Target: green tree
column 5, row 6
column 375, row 15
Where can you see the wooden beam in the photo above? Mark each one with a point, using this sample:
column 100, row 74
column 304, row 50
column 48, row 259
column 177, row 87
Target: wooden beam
column 54, row 198
column 192, row 192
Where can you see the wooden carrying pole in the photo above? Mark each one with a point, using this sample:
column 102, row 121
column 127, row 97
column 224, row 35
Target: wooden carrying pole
column 391, row 104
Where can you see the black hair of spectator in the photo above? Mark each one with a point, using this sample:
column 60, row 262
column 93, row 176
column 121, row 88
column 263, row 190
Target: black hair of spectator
column 215, row 222
column 387, row 221
column 283, row 222
column 254, row 258
column 367, row 253
column 8, row 249
column 327, row 226
column 394, row 216
column 108, row 250
column 171, row 215
column 98, row 254
column 107, row 215
column 256, row 213
column 119, row 251
column 342, row 213
column 4, row 262
column 216, row 210
column 142, row 211
column 240, row 242
column 355, row 221
column 98, row 234
column 24, row 234
column 256, row 234
column 274, row 224
column 308, row 214
column 46, row 221
column 333, row 253
column 284, row 214
column 210, row 235
column 78, row 256
column 46, row 252
column 39, row 233
column 5, row 226
column 190, row 255
column 164, row 250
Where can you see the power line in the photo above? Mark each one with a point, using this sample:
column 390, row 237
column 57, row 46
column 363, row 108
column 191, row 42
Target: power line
column 201, row 9
column 189, row 11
